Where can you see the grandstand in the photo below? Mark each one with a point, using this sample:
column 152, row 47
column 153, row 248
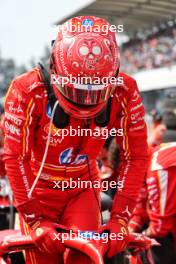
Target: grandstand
column 135, row 15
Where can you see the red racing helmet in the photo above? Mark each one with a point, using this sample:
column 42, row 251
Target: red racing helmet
column 84, row 65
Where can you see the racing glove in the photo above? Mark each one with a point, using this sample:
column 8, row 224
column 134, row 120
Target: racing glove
column 42, row 231
column 117, row 226
column 118, row 236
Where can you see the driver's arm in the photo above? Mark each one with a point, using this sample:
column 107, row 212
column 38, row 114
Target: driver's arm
column 19, row 126
column 133, row 149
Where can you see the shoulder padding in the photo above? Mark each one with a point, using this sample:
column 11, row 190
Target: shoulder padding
column 29, row 81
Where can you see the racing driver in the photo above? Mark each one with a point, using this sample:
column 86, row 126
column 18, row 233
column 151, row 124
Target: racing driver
column 37, row 156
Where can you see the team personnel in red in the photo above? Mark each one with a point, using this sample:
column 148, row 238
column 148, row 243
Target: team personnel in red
column 30, row 107
column 156, row 203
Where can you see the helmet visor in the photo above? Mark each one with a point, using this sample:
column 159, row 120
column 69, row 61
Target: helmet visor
column 86, row 94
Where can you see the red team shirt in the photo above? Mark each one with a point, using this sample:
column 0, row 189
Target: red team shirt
column 156, row 202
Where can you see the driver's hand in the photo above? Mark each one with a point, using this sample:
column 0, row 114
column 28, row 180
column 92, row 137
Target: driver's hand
column 45, row 237
column 118, row 236
column 42, row 230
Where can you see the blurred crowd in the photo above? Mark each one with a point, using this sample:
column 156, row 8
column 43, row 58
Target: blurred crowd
column 158, row 50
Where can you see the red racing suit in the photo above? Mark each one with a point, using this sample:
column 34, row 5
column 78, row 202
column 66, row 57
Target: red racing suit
column 156, row 202
column 26, row 125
